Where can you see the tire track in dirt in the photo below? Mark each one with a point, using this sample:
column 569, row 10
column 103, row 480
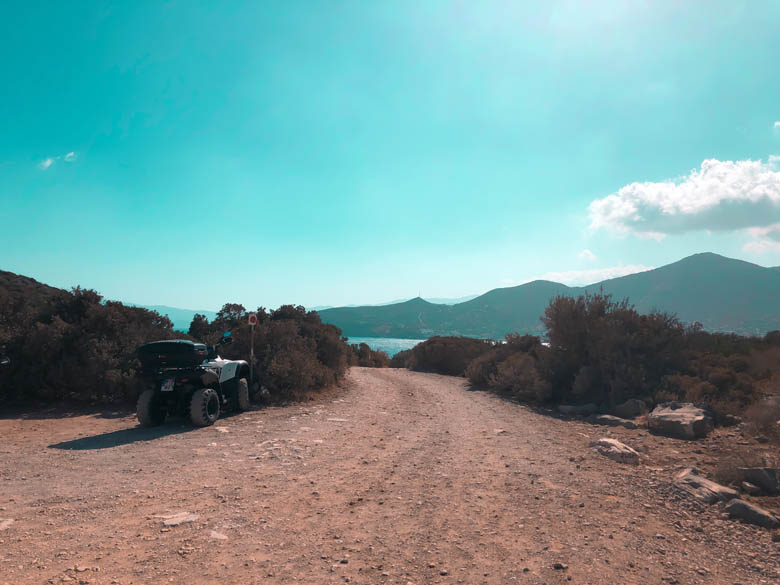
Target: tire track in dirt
column 398, row 478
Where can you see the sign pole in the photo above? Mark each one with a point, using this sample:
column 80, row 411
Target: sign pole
column 252, row 323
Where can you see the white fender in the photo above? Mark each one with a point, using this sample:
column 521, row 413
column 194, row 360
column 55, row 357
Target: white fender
column 228, row 372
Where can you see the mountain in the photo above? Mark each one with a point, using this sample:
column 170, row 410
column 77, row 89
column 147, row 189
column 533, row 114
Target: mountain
column 181, row 317
column 398, row 302
column 722, row 293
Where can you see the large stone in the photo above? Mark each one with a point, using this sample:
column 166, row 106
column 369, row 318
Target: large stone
column 767, row 478
column 611, row 421
column 616, row 451
column 702, row 488
column 583, row 409
column 631, row 408
column 178, row 519
column 681, row 420
column 751, row 514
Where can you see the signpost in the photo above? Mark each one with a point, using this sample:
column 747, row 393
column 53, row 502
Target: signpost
column 252, row 323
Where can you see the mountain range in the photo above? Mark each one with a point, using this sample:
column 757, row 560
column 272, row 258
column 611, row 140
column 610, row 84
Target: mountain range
column 723, row 294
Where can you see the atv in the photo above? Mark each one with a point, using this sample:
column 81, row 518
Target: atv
column 190, row 379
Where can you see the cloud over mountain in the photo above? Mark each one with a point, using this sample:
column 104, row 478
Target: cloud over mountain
column 720, row 196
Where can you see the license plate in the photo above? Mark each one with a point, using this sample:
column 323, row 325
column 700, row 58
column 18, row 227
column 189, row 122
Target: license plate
column 167, row 385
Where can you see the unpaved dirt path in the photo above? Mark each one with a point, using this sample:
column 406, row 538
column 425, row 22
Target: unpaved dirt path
column 400, row 478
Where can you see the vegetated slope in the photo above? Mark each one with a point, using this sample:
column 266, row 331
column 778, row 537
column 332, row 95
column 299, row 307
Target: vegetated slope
column 722, row 293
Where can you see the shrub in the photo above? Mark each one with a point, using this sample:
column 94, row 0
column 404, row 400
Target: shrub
column 295, row 352
column 401, row 359
column 604, row 351
column 362, row 355
column 447, row 355
column 74, row 346
column 71, row 345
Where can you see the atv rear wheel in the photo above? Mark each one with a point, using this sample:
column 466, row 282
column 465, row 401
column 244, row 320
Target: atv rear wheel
column 242, row 395
column 204, row 407
column 149, row 409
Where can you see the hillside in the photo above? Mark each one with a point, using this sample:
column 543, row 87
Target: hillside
column 722, row 293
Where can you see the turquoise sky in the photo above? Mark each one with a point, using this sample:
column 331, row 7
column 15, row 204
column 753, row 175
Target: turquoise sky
column 327, row 153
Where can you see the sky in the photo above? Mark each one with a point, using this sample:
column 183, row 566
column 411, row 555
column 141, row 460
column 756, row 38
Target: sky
column 330, row 153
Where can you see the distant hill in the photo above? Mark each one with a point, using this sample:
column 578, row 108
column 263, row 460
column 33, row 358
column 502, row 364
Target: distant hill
column 181, row 317
column 722, row 293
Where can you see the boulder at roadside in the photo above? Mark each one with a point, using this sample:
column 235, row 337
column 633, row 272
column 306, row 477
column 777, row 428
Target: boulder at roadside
column 703, row 489
column 611, row 421
column 766, row 478
column 751, row 514
column 631, row 408
column 681, row 420
column 616, row 451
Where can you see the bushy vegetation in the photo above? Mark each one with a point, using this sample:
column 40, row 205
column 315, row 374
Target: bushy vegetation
column 295, row 352
column 401, row 359
column 362, row 355
column 444, row 355
column 604, row 352
column 73, row 345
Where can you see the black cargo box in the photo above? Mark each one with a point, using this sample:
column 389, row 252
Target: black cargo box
column 176, row 353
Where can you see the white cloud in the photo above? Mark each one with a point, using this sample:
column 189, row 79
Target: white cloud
column 777, row 124
column 765, row 239
column 586, row 255
column 46, row 163
column 721, row 196
column 590, row 276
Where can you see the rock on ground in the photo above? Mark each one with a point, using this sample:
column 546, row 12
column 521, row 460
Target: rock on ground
column 681, row 420
column 703, row 489
column 611, row 421
column 616, row 451
column 751, row 514
column 631, row 408
column 766, row 478
column 180, row 518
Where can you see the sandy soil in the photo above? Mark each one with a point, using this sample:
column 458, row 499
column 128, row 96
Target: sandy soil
column 400, row 478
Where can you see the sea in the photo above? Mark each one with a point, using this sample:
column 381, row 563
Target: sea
column 388, row 344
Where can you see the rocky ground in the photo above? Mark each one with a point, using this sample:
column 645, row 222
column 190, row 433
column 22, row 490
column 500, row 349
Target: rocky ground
column 400, row 477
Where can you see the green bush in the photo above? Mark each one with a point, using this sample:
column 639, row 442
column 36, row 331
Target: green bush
column 447, row 355
column 362, row 355
column 401, row 359
column 71, row 345
column 295, row 352
column 605, row 352
column 74, row 346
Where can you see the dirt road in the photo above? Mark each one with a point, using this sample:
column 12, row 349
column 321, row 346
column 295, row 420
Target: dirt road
column 399, row 478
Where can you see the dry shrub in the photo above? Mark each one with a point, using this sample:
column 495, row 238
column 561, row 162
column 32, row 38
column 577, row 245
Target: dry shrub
column 519, row 376
column 362, row 355
column 447, row 355
column 727, row 471
column 763, row 417
column 401, row 359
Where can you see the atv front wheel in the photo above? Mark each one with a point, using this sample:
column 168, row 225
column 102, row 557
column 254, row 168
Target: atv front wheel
column 242, row 395
column 149, row 410
column 204, row 407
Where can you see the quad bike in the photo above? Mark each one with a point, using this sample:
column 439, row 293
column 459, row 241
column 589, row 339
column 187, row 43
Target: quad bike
column 190, row 379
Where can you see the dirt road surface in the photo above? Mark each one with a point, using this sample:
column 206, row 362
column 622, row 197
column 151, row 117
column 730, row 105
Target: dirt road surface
column 400, row 477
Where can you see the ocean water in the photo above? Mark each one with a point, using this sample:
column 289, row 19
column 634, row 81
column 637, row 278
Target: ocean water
column 389, row 344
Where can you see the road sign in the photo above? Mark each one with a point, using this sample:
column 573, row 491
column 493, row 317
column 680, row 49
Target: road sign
column 252, row 323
